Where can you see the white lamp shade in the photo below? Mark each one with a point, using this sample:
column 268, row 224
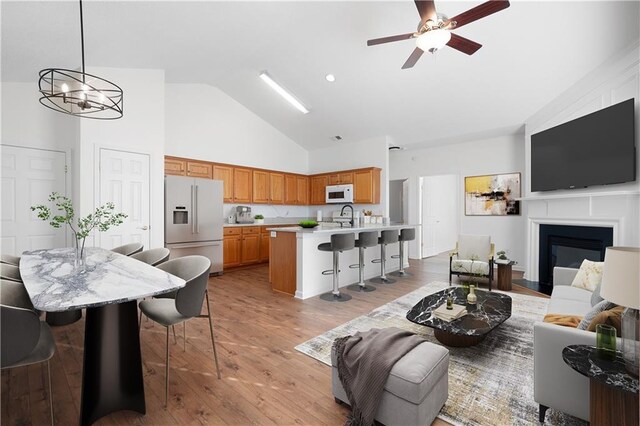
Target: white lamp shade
column 433, row 40
column 621, row 276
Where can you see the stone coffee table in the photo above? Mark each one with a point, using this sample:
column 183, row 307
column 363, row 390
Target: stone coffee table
column 491, row 310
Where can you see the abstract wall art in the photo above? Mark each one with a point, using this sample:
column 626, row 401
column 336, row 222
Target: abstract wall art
column 492, row 195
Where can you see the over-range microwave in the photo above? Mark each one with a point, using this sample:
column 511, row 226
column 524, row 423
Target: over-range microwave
column 339, row 194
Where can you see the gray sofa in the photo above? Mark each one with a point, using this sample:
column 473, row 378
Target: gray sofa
column 556, row 385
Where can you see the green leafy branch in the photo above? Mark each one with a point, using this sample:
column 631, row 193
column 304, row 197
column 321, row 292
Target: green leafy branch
column 102, row 218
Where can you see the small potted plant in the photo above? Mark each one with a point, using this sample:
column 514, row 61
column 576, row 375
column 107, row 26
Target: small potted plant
column 502, row 257
column 259, row 218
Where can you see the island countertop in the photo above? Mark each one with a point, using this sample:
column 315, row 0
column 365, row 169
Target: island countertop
column 336, row 229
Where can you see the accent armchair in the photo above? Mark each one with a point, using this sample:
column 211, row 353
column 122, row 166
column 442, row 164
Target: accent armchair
column 473, row 256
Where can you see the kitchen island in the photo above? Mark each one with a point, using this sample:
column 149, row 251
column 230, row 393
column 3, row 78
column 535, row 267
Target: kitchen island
column 296, row 264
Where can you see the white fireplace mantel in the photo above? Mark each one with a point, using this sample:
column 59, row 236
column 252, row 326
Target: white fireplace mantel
column 533, row 226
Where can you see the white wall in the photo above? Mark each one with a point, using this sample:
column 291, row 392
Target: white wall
column 27, row 123
column 372, row 152
column 503, row 154
column 140, row 130
column 204, row 123
column 617, row 206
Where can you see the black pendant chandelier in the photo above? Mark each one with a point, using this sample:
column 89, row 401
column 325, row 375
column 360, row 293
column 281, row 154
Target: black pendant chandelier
column 78, row 93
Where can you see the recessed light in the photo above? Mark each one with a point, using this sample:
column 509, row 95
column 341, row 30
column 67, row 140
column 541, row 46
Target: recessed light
column 330, row 78
column 288, row 96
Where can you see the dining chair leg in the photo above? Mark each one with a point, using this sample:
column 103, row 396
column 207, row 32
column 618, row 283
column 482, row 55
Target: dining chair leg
column 175, row 339
column 213, row 342
column 184, row 336
column 50, row 394
column 166, row 374
column 140, row 321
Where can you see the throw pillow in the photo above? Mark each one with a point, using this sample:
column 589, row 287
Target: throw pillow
column 600, row 307
column 612, row 317
column 589, row 275
column 595, row 297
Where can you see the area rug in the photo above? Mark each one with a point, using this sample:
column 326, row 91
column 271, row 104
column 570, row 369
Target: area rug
column 490, row 383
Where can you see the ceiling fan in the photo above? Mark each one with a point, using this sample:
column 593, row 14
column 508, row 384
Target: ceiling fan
column 434, row 29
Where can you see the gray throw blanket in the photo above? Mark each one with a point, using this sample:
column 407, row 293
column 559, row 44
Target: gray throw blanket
column 364, row 362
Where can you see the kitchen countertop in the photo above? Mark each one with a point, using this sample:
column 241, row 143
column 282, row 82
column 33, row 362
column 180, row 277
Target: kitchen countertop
column 335, row 229
column 233, row 225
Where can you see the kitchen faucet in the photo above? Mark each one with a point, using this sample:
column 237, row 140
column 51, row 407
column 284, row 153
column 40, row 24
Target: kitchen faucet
column 342, row 211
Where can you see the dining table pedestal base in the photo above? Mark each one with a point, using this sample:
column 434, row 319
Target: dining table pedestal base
column 112, row 371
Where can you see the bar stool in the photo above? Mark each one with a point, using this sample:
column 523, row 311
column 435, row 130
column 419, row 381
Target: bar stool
column 386, row 237
column 406, row 234
column 338, row 244
column 365, row 239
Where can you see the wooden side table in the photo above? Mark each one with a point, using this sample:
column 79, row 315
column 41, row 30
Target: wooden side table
column 505, row 275
column 613, row 390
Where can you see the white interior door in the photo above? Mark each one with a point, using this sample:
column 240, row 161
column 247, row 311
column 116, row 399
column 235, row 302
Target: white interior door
column 439, row 214
column 125, row 181
column 29, row 176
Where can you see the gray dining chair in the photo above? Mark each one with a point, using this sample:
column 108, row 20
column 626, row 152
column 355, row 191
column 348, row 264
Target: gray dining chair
column 10, row 272
column 187, row 303
column 153, row 257
column 128, row 249
column 10, row 260
column 25, row 339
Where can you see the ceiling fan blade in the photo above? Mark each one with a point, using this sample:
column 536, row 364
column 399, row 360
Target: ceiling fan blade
column 417, row 52
column 463, row 44
column 478, row 12
column 389, row 39
column 427, row 10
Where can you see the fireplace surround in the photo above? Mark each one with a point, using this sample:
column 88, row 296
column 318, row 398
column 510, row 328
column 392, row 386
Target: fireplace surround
column 568, row 246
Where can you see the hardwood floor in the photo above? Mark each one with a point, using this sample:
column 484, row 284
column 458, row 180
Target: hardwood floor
column 264, row 380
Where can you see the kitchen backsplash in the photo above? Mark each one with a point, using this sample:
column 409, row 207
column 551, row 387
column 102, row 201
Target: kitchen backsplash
column 297, row 212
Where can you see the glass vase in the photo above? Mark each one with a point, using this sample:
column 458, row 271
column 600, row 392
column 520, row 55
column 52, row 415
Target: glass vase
column 606, row 342
column 80, row 260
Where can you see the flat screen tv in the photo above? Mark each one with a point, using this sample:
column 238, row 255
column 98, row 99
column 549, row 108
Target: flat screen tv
column 597, row 149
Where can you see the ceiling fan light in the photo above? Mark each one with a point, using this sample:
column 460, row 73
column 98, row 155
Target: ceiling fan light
column 433, row 40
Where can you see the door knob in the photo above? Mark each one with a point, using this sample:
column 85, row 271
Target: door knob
column 143, row 227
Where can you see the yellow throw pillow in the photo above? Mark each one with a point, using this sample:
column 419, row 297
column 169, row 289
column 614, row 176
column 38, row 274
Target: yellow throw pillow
column 589, row 275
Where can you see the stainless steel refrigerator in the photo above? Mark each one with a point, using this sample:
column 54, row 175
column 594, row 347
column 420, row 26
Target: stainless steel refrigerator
column 193, row 218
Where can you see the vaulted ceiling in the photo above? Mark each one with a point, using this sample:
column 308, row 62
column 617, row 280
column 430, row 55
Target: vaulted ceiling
column 531, row 52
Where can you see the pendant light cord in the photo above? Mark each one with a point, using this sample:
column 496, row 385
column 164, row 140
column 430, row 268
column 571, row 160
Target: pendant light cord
column 82, row 42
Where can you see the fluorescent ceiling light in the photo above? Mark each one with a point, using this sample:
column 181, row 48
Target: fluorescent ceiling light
column 283, row 92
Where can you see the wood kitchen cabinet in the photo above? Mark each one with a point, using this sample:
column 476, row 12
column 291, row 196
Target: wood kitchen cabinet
column 340, row 178
column 318, row 185
column 290, row 190
column 250, row 246
column 199, row 169
column 302, row 183
column 175, row 167
column 242, row 185
column 296, row 190
column 231, row 247
column 260, row 187
column 265, row 237
column 366, row 186
column 276, row 188
column 225, row 174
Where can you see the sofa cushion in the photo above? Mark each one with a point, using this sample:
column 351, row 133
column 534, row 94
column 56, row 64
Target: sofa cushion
column 593, row 312
column 416, row 373
column 568, row 307
column 589, row 275
column 571, row 293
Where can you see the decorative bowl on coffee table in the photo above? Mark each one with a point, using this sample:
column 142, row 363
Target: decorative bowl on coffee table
column 491, row 310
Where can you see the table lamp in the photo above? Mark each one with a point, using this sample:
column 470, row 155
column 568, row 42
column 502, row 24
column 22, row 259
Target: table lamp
column 621, row 285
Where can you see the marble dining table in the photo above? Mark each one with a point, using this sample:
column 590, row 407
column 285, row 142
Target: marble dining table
column 108, row 286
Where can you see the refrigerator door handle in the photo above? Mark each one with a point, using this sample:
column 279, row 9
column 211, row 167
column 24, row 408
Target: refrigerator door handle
column 196, row 212
column 193, row 212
